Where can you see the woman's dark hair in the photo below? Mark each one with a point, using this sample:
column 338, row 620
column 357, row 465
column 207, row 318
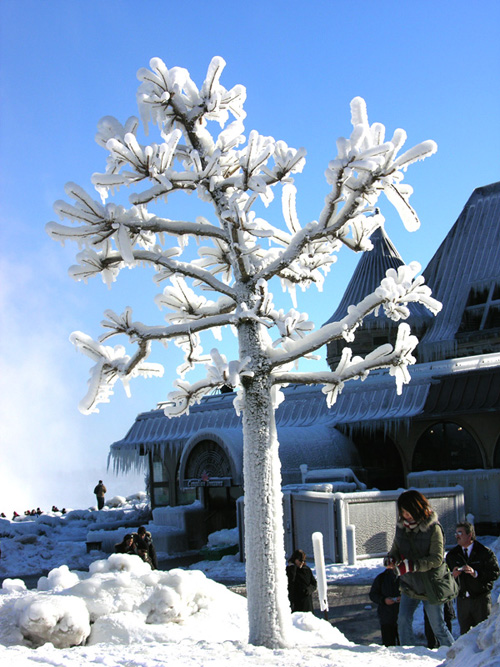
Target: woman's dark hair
column 416, row 504
column 298, row 554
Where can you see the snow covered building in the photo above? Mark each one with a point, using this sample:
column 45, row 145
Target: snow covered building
column 446, row 419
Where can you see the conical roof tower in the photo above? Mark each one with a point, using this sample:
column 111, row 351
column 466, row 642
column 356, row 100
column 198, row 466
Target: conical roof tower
column 369, row 273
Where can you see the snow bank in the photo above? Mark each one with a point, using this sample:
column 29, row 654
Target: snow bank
column 226, row 537
column 480, row 647
column 121, row 600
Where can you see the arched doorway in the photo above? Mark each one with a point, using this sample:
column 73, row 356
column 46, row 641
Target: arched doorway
column 446, row 446
column 208, row 468
column 381, row 463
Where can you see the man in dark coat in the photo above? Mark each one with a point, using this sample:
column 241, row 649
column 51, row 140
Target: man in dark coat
column 100, row 491
column 385, row 593
column 144, row 543
column 301, row 582
column 476, row 569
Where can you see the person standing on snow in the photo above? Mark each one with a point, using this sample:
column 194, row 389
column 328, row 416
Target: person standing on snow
column 385, row 593
column 417, row 555
column 475, row 567
column 301, row 582
column 100, row 491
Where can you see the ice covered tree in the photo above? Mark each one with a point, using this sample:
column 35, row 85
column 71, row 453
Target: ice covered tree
column 201, row 148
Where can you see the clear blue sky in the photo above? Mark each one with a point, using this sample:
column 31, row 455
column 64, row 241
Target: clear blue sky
column 429, row 67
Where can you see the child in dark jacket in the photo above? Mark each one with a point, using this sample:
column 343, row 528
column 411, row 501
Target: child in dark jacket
column 385, row 593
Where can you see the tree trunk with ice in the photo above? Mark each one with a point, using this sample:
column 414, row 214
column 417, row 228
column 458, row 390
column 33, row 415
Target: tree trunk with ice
column 268, row 613
column 241, row 256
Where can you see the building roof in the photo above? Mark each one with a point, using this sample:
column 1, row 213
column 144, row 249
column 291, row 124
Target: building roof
column 468, row 257
column 462, row 393
column 216, row 414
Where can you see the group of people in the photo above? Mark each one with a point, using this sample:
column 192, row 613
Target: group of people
column 417, row 570
column 139, row 544
column 33, row 512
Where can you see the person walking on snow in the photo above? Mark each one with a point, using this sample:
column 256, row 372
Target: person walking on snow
column 100, row 491
column 417, row 555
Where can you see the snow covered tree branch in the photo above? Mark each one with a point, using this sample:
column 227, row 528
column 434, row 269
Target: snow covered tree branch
column 395, row 358
column 396, row 290
column 200, row 147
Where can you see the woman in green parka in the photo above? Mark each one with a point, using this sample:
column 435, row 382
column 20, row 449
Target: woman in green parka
column 417, row 555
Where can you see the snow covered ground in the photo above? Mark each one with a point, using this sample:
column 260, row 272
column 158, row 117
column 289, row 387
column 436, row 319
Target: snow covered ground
column 130, row 616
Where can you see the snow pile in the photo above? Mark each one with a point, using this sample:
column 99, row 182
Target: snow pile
column 480, row 647
column 122, row 601
column 222, row 538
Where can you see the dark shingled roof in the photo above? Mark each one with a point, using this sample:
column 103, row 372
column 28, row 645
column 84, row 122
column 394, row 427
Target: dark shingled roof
column 469, row 256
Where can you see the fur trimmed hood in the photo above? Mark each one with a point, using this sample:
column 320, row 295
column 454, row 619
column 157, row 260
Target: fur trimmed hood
column 423, row 526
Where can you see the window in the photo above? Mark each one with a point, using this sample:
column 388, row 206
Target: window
column 160, row 488
column 446, row 446
column 482, row 311
column 184, row 496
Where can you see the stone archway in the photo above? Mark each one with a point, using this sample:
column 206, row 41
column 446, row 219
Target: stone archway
column 446, row 446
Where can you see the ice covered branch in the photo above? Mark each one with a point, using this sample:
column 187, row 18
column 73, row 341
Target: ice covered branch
column 395, row 358
column 139, row 332
column 365, row 166
column 219, row 372
column 112, row 364
column 396, row 290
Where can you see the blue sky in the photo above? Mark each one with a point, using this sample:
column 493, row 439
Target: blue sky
column 429, row 67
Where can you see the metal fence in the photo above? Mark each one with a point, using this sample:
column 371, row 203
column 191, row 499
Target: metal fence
column 362, row 523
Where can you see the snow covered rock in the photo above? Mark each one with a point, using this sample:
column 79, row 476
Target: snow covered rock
column 58, row 579
column 61, row 620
